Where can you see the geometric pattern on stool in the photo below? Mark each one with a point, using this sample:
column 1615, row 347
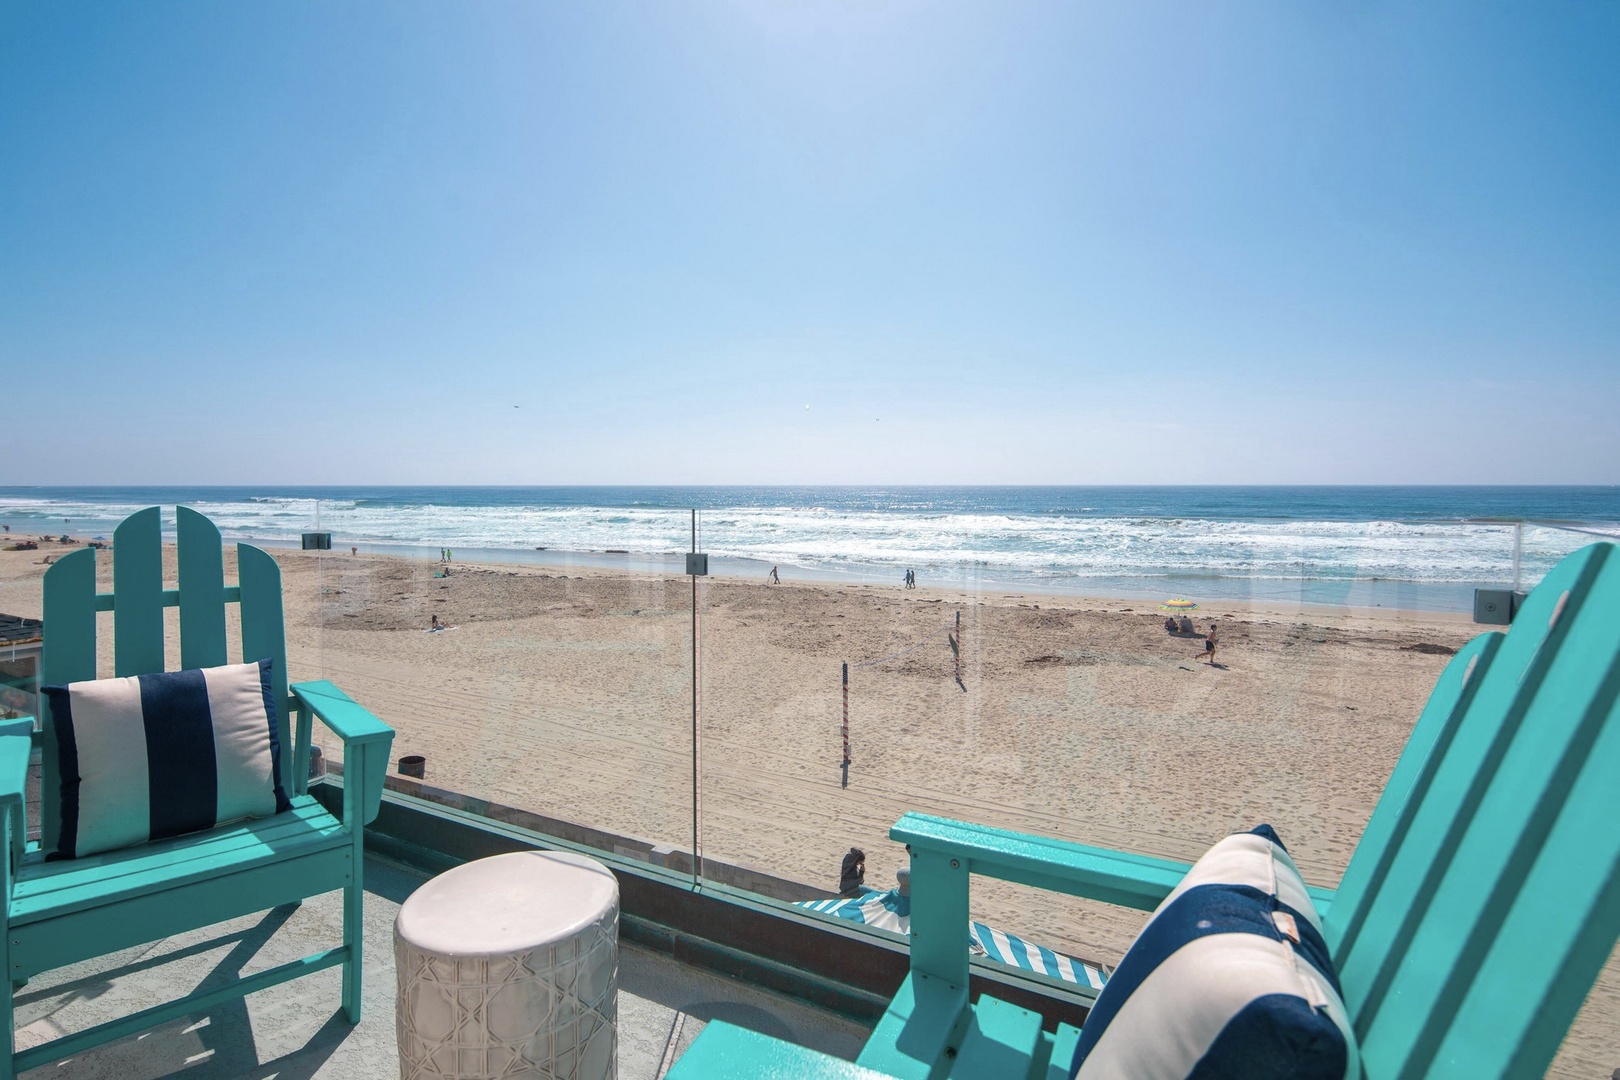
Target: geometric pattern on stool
column 549, row 1014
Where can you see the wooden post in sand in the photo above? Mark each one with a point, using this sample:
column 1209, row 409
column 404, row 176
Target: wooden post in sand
column 846, row 724
column 958, row 650
column 955, row 641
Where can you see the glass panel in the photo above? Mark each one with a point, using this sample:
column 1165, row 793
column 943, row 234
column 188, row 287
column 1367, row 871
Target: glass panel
column 1540, row 547
column 21, row 569
column 1077, row 714
column 551, row 689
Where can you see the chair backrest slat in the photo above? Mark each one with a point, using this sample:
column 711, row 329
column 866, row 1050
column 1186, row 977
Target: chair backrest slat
column 1564, row 921
column 1408, row 785
column 1511, row 859
column 69, row 650
column 202, row 591
column 68, row 655
column 263, row 634
column 138, row 587
column 1458, row 782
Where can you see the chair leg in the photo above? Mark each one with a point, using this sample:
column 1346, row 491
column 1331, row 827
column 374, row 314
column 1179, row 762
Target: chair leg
column 8, row 1018
column 8, row 1011
column 353, row 922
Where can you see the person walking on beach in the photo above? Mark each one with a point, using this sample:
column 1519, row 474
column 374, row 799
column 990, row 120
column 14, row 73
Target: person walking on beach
column 1209, row 646
column 774, row 579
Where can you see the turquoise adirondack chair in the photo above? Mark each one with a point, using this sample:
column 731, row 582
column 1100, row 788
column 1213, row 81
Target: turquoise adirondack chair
column 62, row 912
column 1469, row 925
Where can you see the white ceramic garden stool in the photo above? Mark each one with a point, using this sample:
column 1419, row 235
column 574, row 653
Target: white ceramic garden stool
column 509, row 967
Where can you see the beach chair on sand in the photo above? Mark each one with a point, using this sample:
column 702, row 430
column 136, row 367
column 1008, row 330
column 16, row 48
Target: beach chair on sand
column 63, row 911
column 1472, row 920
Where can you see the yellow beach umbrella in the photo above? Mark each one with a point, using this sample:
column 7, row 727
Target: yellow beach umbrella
column 1178, row 604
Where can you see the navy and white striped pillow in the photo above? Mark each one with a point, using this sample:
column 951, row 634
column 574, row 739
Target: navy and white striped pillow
column 1230, row 978
column 150, row 756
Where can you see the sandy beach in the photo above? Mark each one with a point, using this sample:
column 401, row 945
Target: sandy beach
column 567, row 692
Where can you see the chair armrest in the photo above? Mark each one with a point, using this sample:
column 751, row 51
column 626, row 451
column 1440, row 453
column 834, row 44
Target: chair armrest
column 1113, row 877
column 16, row 748
column 347, row 718
column 366, row 742
column 945, row 853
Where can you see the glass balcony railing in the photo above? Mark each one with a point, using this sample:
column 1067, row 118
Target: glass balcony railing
column 558, row 687
column 773, row 724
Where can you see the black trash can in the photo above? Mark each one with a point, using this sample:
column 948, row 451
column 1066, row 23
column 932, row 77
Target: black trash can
column 413, row 765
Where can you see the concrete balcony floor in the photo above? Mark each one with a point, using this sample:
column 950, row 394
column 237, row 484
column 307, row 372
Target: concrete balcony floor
column 296, row 1030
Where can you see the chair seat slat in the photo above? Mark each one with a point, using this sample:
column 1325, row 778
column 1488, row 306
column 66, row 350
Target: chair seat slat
column 44, row 891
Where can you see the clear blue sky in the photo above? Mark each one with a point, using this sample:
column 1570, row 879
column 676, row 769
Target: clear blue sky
column 1070, row 243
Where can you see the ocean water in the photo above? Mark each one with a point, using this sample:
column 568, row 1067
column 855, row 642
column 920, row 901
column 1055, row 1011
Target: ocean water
column 1422, row 548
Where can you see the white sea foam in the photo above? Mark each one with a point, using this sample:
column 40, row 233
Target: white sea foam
column 1036, row 547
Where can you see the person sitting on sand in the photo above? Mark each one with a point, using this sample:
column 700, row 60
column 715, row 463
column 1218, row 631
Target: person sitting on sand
column 436, row 624
column 1209, row 645
column 1187, row 626
column 1169, row 624
column 852, row 874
